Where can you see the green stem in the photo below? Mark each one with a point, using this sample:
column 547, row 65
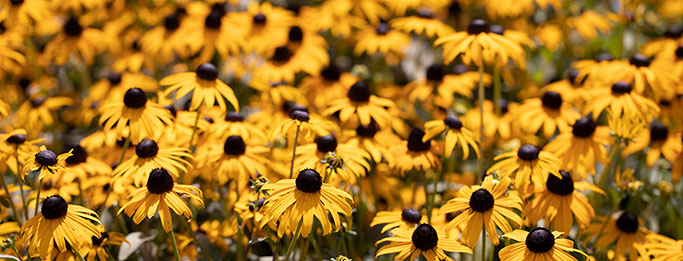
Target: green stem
column 175, row 246
column 199, row 244
column 11, row 202
column 21, row 183
column 295, row 237
column 480, row 165
column 77, row 254
column 314, row 242
column 483, row 243
column 40, row 185
column 497, row 90
column 106, row 198
column 296, row 139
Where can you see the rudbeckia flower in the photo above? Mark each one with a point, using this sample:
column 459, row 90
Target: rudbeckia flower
column 25, row 14
column 665, row 46
column 309, row 48
column 589, row 23
column 362, row 104
column 445, row 84
column 659, row 140
column 265, row 25
column 355, row 161
column 529, row 165
column 661, row 248
column 455, row 134
column 294, row 203
column 237, row 159
column 381, row 39
column 234, row 124
column 330, row 84
column 649, row 78
column 58, row 228
column 149, row 156
column 372, row 10
column 76, row 39
column 479, row 46
column 213, row 31
column 375, row 141
column 549, row 112
column 414, row 154
column 423, row 22
column 135, row 116
column 16, row 148
column 161, row 194
column 424, row 240
column 620, row 98
column 626, row 229
column 45, row 161
column 560, row 201
column 486, row 206
column 309, row 125
column 164, row 41
column 406, row 219
column 579, row 149
column 570, row 89
column 538, row 244
column 37, row 112
column 205, row 86
column 98, row 250
column 281, row 67
column 494, row 124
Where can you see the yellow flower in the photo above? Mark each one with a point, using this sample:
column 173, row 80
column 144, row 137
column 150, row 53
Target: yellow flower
column 45, row 161
column 205, row 86
column 538, row 244
column 424, row 240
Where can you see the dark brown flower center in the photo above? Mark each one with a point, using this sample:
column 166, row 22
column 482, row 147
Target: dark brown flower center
column 207, row 71
column 97, row 241
column 146, row 149
column 415, row 140
column 331, row 73
column 46, row 158
column 367, row 131
column 299, row 115
column 627, row 222
column 309, row 181
column 411, row 215
column 234, row 117
column 382, row 29
column 679, row 52
column 213, row 20
column 436, row 72
column 584, row 127
column 281, row 55
column 425, row 237
column 552, row 100
column 72, row 27
column 453, row 122
column 563, row 187
column 359, row 92
column 172, row 22
column 528, row 152
column 37, row 102
column 327, row 143
column 481, row 200
column 604, row 57
column 296, row 34
column 17, row 139
column 16, row 2
column 160, row 181
column 234, row 145
column 424, row 13
column 259, row 19
column 639, row 60
column 79, row 155
column 658, row 132
column 540, row 240
column 478, row 26
column 114, row 78
column 497, row 29
column 54, row 207
column 135, row 98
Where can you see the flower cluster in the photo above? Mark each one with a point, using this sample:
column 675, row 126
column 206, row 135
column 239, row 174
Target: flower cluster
column 341, row 129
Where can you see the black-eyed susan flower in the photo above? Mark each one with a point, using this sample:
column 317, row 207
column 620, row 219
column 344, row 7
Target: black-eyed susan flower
column 406, row 219
column 659, row 140
column 149, row 156
column 106, row 239
column 561, row 201
column 438, row 80
column 538, row 244
column 496, row 50
column 266, row 26
column 37, row 112
column 550, row 112
column 164, row 41
column 375, row 140
column 528, row 164
column 281, row 67
column 415, row 154
column 58, row 228
column 354, row 160
column 331, row 83
column 309, row 125
column 648, row 78
column 16, row 148
column 487, row 206
column 75, row 39
column 382, row 39
column 211, row 32
column 589, row 23
column 25, row 14
column 456, row 134
column 422, row 241
column 662, row 248
column 580, row 148
column 205, row 86
column 423, row 22
column 626, row 229
column 135, row 116
column 43, row 162
column 236, row 159
column 234, row 124
column 295, row 203
column 363, row 105
column 161, row 194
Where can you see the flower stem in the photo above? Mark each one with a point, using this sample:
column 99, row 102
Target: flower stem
column 175, row 246
column 21, row 184
column 314, row 243
column 40, row 185
column 296, row 139
column 77, row 254
column 11, row 203
column 480, row 165
column 194, row 127
column 194, row 237
column 483, row 243
column 497, row 91
column 295, row 237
